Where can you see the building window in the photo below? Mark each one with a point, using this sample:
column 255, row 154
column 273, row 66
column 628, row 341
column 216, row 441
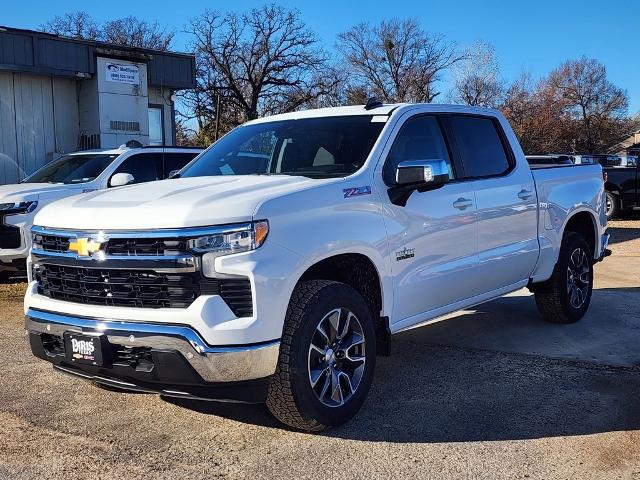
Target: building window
column 156, row 126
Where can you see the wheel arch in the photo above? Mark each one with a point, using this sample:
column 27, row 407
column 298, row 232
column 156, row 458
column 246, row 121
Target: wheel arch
column 361, row 273
column 584, row 223
column 354, row 269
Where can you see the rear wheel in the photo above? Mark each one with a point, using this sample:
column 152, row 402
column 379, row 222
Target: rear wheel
column 566, row 296
column 612, row 205
column 327, row 357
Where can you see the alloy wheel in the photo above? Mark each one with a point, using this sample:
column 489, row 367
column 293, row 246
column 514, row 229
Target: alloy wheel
column 578, row 278
column 336, row 357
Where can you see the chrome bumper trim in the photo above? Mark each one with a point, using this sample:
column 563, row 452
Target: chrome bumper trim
column 185, row 232
column 160, row 264
column 213, row 363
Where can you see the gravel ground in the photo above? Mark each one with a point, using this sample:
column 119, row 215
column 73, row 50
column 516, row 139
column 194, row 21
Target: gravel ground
column 435, row 411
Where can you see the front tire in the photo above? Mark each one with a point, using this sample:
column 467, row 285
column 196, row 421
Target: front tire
column 327, row 357
column 566, row 296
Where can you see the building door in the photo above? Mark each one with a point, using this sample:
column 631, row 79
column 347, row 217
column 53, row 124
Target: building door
column 156, row 125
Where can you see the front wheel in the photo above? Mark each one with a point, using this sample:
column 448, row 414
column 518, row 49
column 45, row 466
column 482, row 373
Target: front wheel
column 327, row 357
column 566, row 296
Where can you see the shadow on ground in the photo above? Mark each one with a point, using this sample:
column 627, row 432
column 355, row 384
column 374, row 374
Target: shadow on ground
column 455, row 382
column 624, row 231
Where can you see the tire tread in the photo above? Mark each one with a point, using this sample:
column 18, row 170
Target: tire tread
column 280, row 397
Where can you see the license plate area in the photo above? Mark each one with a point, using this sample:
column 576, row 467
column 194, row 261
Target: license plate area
column 84, row 349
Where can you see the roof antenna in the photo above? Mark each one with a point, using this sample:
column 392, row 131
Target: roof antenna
column 373, row 102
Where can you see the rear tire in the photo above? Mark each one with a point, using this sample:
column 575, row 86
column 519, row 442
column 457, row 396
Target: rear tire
column 566, row 296
column 612, row 205
column 327, row 357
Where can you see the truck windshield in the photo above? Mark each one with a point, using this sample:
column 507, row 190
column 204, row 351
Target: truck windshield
column 72, row 169
column 312, row 147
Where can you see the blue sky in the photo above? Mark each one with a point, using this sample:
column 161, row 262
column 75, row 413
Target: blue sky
column 533, row 36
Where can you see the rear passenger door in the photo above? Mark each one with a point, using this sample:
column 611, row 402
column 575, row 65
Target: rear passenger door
column 506, row 200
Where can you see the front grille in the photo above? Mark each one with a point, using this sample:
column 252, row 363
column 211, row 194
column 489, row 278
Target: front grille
column 139, row 247
column 146, row 246
column 9, row 235
column 52, row 243
column 139, row 288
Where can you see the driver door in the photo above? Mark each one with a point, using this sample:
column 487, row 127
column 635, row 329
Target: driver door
column 432, row 240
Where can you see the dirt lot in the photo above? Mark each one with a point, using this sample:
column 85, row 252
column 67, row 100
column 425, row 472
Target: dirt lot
column 491, row 393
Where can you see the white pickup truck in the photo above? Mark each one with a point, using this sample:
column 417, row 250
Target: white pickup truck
column 282, row 260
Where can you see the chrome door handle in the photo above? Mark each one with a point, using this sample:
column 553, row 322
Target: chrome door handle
column 462, row 203
column 524, row 194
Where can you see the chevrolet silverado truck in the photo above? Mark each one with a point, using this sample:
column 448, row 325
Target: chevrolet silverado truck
column 280, row 261
column 70, row 175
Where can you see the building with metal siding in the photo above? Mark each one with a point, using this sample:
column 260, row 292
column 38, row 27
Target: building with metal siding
column 59, row 95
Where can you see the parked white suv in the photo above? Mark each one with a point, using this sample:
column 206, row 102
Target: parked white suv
column 72, row 174
column 280, row 262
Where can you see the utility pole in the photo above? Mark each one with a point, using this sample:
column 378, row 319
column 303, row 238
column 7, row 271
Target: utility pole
column 217, row 116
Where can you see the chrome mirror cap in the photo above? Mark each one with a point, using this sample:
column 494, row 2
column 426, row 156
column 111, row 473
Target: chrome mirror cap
column 422, row 172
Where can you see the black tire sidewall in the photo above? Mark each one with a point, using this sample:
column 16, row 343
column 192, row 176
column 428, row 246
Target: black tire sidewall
column 332, row 296
column 574, row 241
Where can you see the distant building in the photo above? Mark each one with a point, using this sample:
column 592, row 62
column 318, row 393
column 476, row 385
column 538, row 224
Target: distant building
column 630, row 146
column 59, row 95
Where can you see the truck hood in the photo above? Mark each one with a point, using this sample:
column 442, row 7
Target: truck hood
column 26, row 192
column 175, row 203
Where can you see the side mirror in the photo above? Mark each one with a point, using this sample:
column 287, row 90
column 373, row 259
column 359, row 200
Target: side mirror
column 174, row 173
column 422, row 173
column 120, row 179
column 417, row 175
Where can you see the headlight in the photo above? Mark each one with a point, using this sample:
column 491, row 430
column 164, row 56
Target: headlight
column 228, row 240
column 19, row 207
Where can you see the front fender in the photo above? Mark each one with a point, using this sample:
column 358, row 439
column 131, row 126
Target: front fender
column 321, row 223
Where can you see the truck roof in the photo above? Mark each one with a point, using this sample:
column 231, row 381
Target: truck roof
column 122, row 148
column 383, row 110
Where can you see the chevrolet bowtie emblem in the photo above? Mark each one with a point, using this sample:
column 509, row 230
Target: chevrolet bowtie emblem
column 84, row 246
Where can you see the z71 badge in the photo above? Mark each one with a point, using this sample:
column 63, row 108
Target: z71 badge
column 356, row 191
column 405, row 253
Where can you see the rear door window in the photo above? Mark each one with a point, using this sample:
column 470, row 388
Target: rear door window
column 479, row 145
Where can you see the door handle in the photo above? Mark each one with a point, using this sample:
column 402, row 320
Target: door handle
column 524, row 194
column 462, row 203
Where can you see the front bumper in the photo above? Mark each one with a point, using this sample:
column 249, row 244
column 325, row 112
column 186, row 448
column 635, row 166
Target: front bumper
column 183, row 364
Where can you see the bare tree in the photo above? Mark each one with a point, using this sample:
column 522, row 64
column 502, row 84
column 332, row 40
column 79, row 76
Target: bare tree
column 128, row 31
column 396, row 60
column 477, row 79
column 537, row 117
column 78, row 25
column 136, row 33
column 260, row 62
column 596, row 105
